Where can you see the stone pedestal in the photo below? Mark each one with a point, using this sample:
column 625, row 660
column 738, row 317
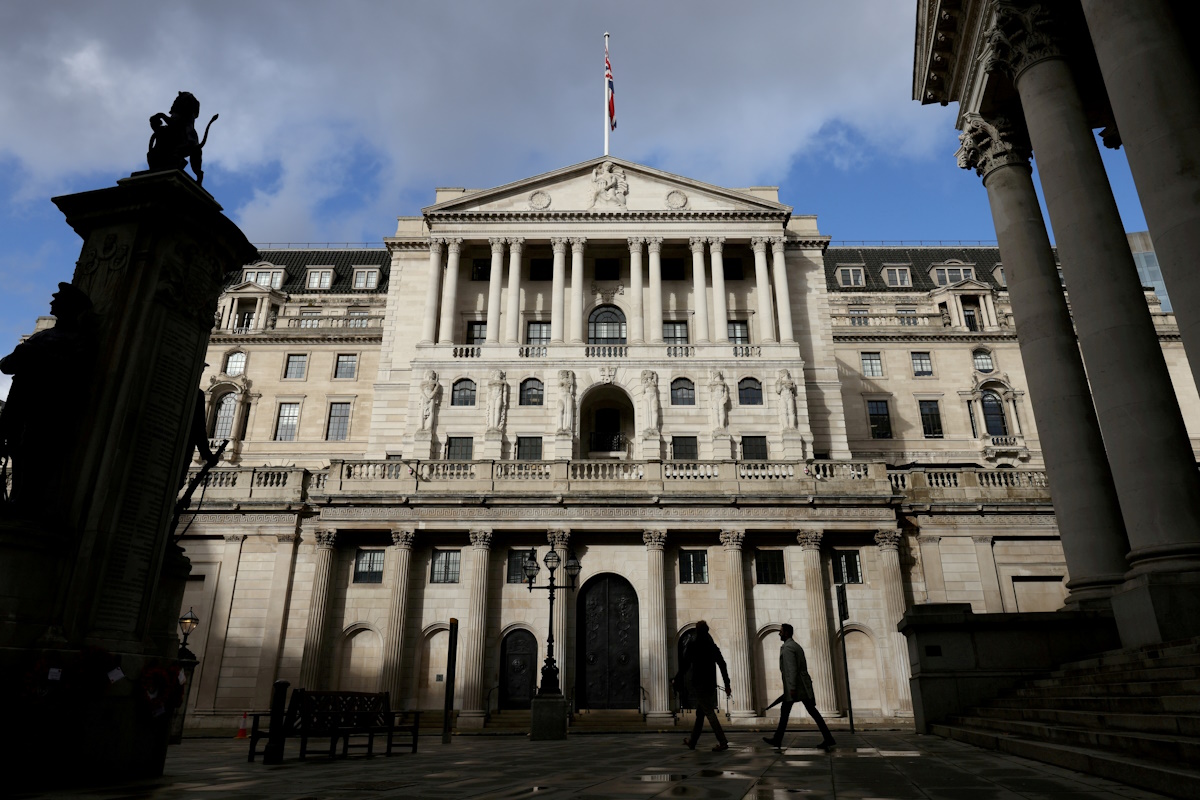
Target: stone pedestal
column 651, row 445
column 564, row 445
column 793, row 446
column 423, row 445
column 722, row 444
column 493, row 445
column 548, row 718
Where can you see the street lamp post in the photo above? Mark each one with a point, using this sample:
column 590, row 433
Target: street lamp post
column 549, row 707
column 187, row 662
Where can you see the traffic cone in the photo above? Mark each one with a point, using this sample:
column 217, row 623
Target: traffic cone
column 241, row 734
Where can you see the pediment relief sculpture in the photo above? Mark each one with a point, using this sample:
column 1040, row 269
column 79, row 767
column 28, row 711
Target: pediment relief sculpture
column 610, row 186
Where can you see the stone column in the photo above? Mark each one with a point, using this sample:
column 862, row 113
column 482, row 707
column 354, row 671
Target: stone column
column 275, row 616
column 699, row 291
column 636, row 328
column 742, row 704
column 314, row 632
column 512, row 320
column 558, row 290
column 475, row 636
column 1149, row 452
column 931, row 568
column 820, row 656
column 432, row 292
column 1085, row 499
column 989, row 579
column 888, row 542
column 1154, row 91
column 762, row 288
column 720, row 323
column 783, row 296
column 393, row 640
column 495, row 283
column 654, row 316
column 578, row 323
column 560, row 541
column 656, row 628
column 450, row 292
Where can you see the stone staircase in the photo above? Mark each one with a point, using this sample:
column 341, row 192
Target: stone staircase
column 1131, row 716
column 608, row 721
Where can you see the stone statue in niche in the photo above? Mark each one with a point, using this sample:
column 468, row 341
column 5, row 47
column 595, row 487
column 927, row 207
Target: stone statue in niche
column 719, row 397
column 497, row 402
column 429, row 399
column 609, row 185
column 174, row 141
column 566, row 401
column 653, row 406
column 37, row 425
column 785, row 387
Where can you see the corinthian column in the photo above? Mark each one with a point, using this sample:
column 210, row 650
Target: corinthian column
column 393, row 642
column 656, row 628
column 512, row 320
column 820, row 659
column 314, row 632
column 762, row 289
column 720, row 324
column 578, row 324
column 783, row 297
column 654, row 315
column 450, row 291
column 495, row 283
column 739, row 643
column 558, row 290
column 888, row 542
column 475, row 636
column 636, row 332
column 560, row 540
column 699, row 290
column 432, row 291
column 1084, row 497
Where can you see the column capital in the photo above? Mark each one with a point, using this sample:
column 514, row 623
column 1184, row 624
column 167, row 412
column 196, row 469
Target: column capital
column 635, row 243
column 481, row 539
column 655, row 539
column 716, row 244
column 759, row 244
column 1020, row 36
column 985, row 146
column 235, row 537
column 696, row 243
column 777, row 243
column 454, row 245
column 516, row 244
column 888, row 539
column 435, row 244
column 654, row 244
column 733, row 539
column 982, row 539
column 929, row 538
column 404, row 538
column 291, row 537
column 577, row 244
column 558, row 537
column 326, row 539
column 559, row 244
column 497, row 243
column 809, row 539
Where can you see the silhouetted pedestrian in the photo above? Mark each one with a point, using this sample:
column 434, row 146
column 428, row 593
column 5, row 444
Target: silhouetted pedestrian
column 797, row 688
column 698, row 670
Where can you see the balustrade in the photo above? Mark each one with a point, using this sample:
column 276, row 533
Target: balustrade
column 448, row 470
column 606, row 471
column 839, row 470
column 375, row 470
column 524, row 470
column 330, row 322
column 466, row 351
column 883, row 320
column 532, row 351
column 222, row 478
column 691, row 470
column 680, row 351
column 746, row 351
column 766, row 470
column 606, row 351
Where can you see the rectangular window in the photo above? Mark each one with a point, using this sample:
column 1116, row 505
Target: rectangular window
column 459, row 448
column 768, row 566
column 872, row 365
column 931, row 419
column 356, row 318
column 675, row 333
column 734, row 271
column 368, row 566
column 683, row 448
column 297, row 364
column 674, row 269
column 908, row 316
column 346, row 366
column 922, row 365
column 320, row 278
column 481, row 269
column 288, row 422
column 999, row 276
column 693, row 566
column 739, row 331
column 529, row 448
column 310, row 318
column 754, row 448
column 366, row 278
column 881, row 420
column 607, row 269
column 850, row 276
column 476, row 332
column 338, row 429
column 969, row 317
column 945, row 276
column 516, row 565
column 541, row 269
column 846, row 568
column 537, row 333
column 897, row 276
column 444, row 567
column 859, row 316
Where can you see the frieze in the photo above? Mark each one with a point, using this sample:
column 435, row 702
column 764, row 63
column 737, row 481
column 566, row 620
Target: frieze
column 247, row 519
column 585, row 513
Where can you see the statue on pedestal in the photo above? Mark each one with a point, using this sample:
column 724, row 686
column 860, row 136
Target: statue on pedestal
column 566, row 401
column 429, row 392
column 653, row 406
column 785, row 387
column 174, row 140
column 497, row 407
column 719, row 397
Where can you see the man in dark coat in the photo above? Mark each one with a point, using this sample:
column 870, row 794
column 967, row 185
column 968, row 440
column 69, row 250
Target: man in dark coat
column 797, row 688
column 698, row 670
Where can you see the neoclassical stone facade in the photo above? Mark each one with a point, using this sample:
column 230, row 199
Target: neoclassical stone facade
column 721, row 416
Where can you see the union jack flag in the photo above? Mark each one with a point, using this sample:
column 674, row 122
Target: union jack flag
column 612, row 105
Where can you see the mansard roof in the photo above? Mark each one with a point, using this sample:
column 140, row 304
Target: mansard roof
column 343, row 261
column 919, row 259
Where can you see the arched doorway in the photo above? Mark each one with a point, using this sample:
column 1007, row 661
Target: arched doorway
column 518, row 668
column 361, row 661
column 607, row 669
column 606, row 423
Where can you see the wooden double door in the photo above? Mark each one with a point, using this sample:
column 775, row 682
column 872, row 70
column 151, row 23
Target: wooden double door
column 607, row 672
column 518, row 669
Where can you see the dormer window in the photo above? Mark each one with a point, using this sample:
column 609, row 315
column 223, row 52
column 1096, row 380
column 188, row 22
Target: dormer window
column 998, row 274
column 897, row 276
column 947, row 276
column 850, row 276
column 272, row 278
column 320, row 278
column 364, row 279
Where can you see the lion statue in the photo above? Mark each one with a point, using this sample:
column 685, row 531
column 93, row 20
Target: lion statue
column 174, row 141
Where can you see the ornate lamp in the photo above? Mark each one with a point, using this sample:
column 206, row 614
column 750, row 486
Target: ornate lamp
column 553, row 561
column 187, row 624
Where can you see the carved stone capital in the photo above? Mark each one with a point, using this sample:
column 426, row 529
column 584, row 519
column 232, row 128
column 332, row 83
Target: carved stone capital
column 982, row 539
column 716, row 244
column 235, row 537
column 655, row 539
column 516, row 244
column 291, row 537
column 777, row 243
column 986, row 146
column 1021, row 35
column 404, row 538
column 577, row 244
column 696, row 243
column 559, row 244
column 635, row 243
column 497, row 244
column 559, row 538
column 759, row 244
column 435, row 245
column 481, row 539
column 888, row 539
column 454, row 245
column 809, row 540
column 326, row 539
column 928, row 538
column 733, row 539
column 654, row 244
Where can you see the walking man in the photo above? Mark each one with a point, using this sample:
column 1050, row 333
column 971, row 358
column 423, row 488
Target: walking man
column 797, row 688
column 698, row 667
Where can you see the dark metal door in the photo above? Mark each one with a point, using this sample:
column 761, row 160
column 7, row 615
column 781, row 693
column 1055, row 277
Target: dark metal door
column 518, row 669
column 607, row 669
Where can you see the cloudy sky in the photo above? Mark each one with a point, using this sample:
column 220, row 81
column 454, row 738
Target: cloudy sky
column 337, row 117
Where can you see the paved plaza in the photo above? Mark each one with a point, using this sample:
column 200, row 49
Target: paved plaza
column 882, row 766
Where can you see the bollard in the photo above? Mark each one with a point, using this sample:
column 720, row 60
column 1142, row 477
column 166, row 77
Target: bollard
column 448, row 708
column 276, row 736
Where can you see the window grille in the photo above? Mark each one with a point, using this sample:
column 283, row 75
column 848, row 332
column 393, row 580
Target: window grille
column 693, row 566
column 444, row 566
column 368, row 566
column 768, row 566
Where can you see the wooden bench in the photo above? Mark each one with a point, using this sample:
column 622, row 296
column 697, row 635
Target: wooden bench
column 338, row 716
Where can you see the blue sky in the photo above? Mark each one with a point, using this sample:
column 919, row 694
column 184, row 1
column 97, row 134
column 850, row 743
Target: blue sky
column 338, row 117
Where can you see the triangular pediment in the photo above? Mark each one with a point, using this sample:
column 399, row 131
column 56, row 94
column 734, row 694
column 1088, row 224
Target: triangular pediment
column 250, row 287
column 607, row 184
column 967, row 283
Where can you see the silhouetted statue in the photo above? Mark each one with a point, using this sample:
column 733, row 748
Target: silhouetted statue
column 174, row 140
column 50, row 369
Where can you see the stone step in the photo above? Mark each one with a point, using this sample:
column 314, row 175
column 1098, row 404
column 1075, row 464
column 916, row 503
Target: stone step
column 1181, row 647
column 1169, row 779
column 614, row 720
column 1152, row 746
column 1130, row 689
column 1169, row 724
column 1129, row 665
column 1148, row 704
column 510, row 719
column 1166, row 673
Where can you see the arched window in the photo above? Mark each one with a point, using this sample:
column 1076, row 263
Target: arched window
column 531, row 392
column 683, row 392
column 606, row 325
column 983, row 361
column 749, row 392
column 993, row 414
column 226, row 411
column 463, row 393
column 235, row 363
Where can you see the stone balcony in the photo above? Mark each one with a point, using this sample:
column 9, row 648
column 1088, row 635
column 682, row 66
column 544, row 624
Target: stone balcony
column 584, row 353
column 970, row 486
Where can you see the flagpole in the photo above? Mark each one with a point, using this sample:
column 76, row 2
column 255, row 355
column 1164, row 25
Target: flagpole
column 606, row 123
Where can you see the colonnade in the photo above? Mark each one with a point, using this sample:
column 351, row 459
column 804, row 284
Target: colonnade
column 646, row 313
